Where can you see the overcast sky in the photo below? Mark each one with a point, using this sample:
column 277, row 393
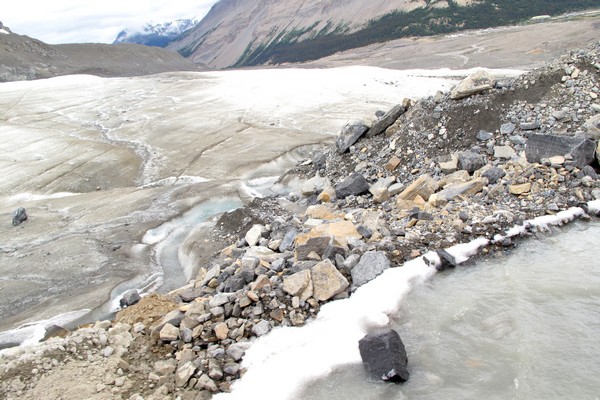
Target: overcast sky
column 77, row 21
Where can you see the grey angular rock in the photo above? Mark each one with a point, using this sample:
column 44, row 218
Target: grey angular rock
column 287, row 243
column 19, row 216
column 173, row 317
column 319, row 160
column 354, row 185
column 530, row 126
column 494, row 174
column 371, row 265
column 508, row 128
column 184, row 373
column 447, row 260
column 484, row 136
column 386, row 120
column 262, row 328
column 384, row 356
column 350, row 133
column 470, row 161
column 505, row 152
column 130, row 298
column 581, row 149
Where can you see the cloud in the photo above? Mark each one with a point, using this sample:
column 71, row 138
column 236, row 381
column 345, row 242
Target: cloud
column 74, row 21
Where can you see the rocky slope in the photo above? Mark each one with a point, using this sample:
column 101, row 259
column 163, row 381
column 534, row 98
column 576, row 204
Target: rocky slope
column 451, row 168
column 256, row 32
column 24, row 58
column 154, row 34
column 232, row 26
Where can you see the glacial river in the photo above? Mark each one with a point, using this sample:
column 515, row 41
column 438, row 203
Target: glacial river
column 521, row 326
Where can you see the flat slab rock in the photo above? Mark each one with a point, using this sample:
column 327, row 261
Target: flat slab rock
column 384, row 356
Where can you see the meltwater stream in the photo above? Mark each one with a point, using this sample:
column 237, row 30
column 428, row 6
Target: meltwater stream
column 526, row 326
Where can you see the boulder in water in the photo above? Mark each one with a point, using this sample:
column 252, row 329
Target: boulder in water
column 130, row 298
column 384, row 356
column 19, row 215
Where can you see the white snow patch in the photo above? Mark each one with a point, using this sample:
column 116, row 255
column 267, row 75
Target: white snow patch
column 23, row 197
column 543, row 222
column 594, row 206
column 4, row 31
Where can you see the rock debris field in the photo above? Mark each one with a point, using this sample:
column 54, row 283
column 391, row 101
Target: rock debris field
column 452, row 167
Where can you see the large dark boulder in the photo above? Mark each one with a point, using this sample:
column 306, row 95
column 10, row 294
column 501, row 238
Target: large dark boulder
column 384, row 356
column 354, row 185
column 350, row 133
column 130, row 298
column 19, row 215
column 581, row 149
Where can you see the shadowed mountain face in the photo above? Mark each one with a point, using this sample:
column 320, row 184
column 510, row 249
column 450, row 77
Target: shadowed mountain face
column 257, row 32
column 24, row 58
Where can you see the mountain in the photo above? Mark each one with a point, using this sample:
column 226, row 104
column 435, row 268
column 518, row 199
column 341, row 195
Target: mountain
column 158, row 35
column 239, row 33
column 24, row 58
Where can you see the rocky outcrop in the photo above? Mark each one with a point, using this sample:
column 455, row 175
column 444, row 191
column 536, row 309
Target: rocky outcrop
column 384, row 356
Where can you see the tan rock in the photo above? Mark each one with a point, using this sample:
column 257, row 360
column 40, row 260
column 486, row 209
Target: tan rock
column 456, row 177
column 451, row 165
column 393, row 163
column 341, row 231
column 380, row 195
column 424, row 186
column 520, row 189
column 221, row 331
column 457, row 189
column 322, row 211
column 295, row 284
column 327, row 281
column 169, row 333
column 326, row 195
column 477, row 82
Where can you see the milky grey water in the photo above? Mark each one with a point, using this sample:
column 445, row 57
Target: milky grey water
column 525, row 326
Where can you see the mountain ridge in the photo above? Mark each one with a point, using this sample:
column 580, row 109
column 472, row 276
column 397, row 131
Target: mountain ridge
column 26, row 58
column 260, row 32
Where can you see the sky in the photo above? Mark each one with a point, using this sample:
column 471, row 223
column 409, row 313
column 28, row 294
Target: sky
column 77, row 21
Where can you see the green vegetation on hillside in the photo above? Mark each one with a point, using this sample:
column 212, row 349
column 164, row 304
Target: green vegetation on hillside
column 395, row 25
